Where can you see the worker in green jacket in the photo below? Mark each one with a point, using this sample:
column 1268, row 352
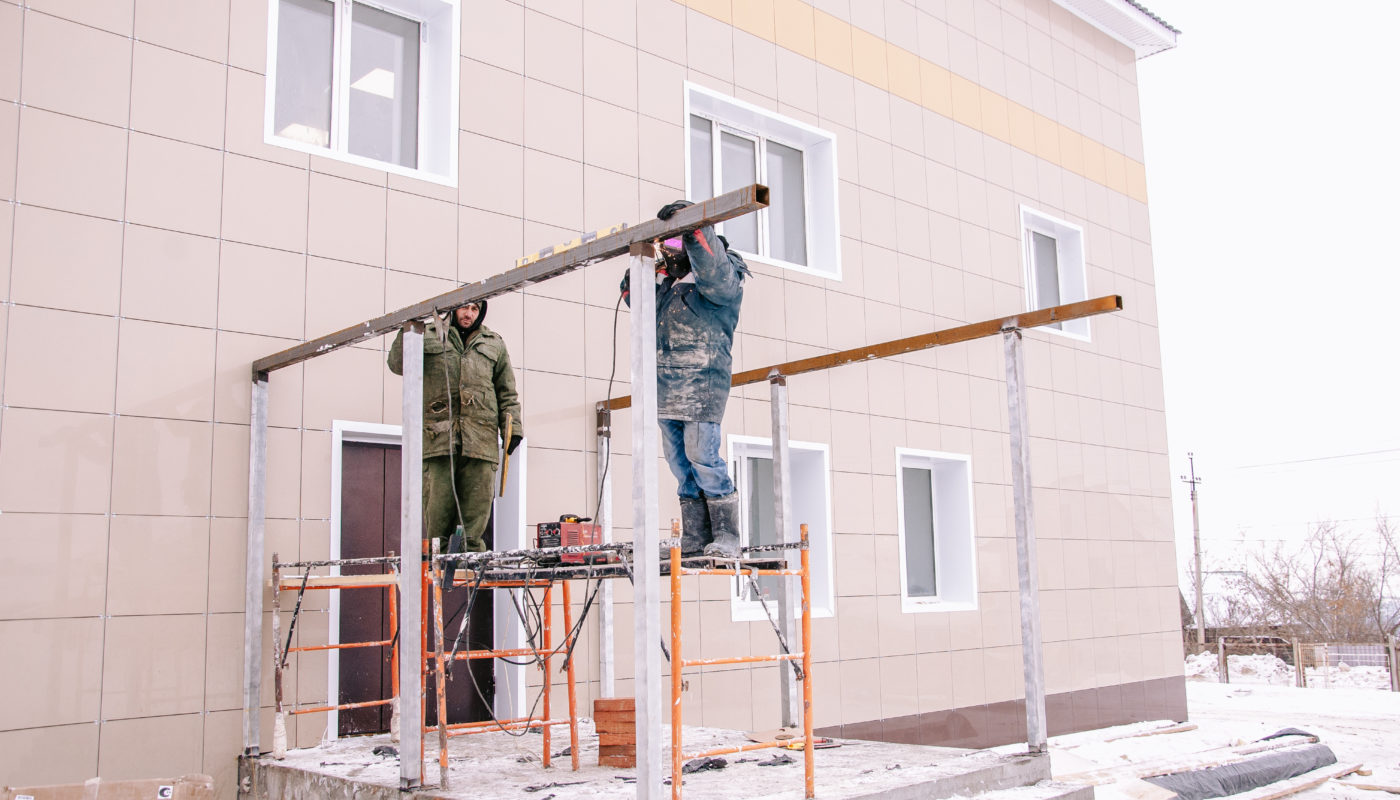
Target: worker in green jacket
column 468, row 396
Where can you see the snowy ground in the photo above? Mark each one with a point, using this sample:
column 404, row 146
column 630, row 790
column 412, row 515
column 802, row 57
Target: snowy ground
column 1360, row 725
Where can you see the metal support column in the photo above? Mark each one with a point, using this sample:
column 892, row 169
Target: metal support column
column 410, row 570
column 646, row 595
column 789, row 701
column 253, row 590
column 604, row 518
column 1032, row 655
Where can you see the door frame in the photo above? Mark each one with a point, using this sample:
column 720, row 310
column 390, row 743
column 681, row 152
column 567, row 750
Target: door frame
column 510, row 534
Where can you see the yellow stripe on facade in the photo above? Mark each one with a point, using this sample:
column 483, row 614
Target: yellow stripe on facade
column 794, row 25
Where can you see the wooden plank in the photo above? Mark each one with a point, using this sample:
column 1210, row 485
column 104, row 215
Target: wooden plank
column 626, row 762
column 963, row 333
column 726, row 206
column 602, row 704
column 1393, row 788
column 615, row 721
column 1182, row 728
column 1299, row 784
column 617, row 739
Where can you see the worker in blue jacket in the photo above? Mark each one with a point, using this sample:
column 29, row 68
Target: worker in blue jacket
column 699, row 286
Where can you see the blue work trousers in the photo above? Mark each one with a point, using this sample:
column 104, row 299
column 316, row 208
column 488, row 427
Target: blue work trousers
column 692, row 452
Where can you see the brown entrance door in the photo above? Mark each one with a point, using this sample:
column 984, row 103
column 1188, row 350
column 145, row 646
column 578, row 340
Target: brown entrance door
column 369, row 527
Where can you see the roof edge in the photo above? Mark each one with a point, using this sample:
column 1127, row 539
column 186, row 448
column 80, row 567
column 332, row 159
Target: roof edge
column 1128, row 22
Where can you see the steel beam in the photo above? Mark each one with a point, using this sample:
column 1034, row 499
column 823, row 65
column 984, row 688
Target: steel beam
column 962, row 333
column 253, row 573
column 726, row 206
column 1032, row 655
column 646, row 593
column 790, row 702
column 410, row 569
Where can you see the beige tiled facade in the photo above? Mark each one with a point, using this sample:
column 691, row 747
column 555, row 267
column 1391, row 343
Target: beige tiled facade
column 152, row 245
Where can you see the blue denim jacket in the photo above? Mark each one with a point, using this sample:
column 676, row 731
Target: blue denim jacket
column 695, row 321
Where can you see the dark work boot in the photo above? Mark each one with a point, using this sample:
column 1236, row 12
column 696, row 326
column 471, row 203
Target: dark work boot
column 724, row 522
column 454, row 545
column 695, row 526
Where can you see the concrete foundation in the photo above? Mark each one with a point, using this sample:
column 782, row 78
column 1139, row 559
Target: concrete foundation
column 496, row 765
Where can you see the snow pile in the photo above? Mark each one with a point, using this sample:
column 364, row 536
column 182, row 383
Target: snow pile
column 1349, row 677
column 1271, row 670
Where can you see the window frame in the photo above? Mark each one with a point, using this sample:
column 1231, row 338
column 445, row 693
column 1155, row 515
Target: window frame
column 437, row 32
column 1070, row 267
column 728, row 114
column 956, row 582
column 823, row 576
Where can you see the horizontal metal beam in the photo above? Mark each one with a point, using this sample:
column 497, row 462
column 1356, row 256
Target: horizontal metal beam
column 962, row 333
column 726, row 206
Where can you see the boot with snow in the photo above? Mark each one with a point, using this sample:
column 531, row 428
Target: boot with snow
column 724, row 524
column 695, row 526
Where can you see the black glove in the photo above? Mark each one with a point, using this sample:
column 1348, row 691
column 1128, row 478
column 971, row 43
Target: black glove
column 669, row 210
column 515, row 439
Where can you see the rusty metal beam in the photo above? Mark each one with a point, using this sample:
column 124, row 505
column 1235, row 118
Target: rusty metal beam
column 962, row 333
column 726, row 206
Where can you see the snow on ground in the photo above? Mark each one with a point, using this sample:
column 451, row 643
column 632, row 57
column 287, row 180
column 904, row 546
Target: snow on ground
column 1360, row 725
column 1272, row 670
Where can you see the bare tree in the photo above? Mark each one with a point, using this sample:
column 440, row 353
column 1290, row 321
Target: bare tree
column 1330, row 589
column 1386, row 604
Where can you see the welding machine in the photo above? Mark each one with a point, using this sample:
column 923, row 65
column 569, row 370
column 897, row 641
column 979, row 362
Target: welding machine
column 571, row 531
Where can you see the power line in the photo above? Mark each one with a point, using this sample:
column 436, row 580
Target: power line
column 1321, row 458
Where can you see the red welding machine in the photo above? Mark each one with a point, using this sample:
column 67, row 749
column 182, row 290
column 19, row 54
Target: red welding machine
column 571, row 531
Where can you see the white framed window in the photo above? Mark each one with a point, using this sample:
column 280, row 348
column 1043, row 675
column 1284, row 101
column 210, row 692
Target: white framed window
column 937, row 543
column 731, row 144
column 371, row 83
column 1053, row 253
column 751, row 461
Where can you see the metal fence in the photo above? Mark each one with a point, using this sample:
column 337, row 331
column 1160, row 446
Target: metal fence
column 1325, row 665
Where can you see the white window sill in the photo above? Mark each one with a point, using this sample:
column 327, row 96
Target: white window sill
column 1078, row 337
column 778, row 263
column 925, row 605
column 361, row 161
column 753, row 612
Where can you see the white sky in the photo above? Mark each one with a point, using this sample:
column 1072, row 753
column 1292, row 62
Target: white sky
column 1272, row 135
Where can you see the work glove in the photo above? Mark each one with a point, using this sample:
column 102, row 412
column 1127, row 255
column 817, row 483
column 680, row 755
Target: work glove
column 626, row 286
column 515, row 440
column 669, row 210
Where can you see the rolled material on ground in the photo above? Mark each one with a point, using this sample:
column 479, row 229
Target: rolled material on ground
column 1202, row 784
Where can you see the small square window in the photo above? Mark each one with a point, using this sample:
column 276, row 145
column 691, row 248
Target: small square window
column 732, row 144
column 1054, row 260
column 937, row 544
column 752, row 460
column 374, row 85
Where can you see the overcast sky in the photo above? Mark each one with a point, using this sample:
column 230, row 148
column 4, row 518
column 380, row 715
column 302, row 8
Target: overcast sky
column 1272, row 137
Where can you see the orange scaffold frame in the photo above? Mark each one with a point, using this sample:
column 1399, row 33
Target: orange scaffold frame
column 307, row 582
column 543, row 652
column 679, row 756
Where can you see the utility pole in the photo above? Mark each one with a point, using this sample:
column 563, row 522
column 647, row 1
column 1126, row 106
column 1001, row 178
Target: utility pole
column 1196, row 532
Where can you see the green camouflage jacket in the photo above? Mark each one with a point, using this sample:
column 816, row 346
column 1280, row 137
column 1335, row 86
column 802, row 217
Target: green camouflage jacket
column 468, row 388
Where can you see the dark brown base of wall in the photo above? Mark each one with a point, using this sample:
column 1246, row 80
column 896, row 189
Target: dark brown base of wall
column 1004, row 723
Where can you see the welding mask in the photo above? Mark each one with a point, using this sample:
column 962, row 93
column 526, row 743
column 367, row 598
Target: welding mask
column 674, row 258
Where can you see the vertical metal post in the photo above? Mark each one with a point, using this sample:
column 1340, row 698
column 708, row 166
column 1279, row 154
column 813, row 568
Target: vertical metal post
column 548, row 679
column 253, row 575
column 411, row 569
column 1300, row 674
column 1032, row 656
column 279, row 720
column 646, row 594
column 1394, row 667
column 1223, row 659
column 789, row 702
column 604, row 514
column 1196, row 534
